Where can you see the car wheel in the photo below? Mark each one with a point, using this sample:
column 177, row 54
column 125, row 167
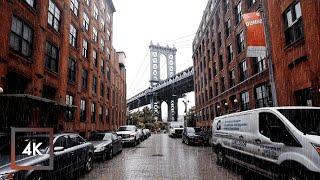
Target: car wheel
column 293, row 174
column 110, row 156
column 35, row 176
column 89, row 163
column 104, row 156
column 220, row 157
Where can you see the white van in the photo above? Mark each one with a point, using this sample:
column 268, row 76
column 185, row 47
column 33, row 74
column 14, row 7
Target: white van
column 282, row 142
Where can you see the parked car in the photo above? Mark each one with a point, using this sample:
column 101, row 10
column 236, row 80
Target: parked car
column 146, row 133
column 175, row 129
column 129, row 134
column 141, row 135
column 282, row 142
column 71, row 153
column 194, row 135
column 106, row 145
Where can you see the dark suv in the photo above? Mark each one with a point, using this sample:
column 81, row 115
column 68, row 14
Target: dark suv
column 194, row 135
column 71, row 153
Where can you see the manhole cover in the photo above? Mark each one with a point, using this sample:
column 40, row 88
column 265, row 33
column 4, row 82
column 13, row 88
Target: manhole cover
column 157, row 155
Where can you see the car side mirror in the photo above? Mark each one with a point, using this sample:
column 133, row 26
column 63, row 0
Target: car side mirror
column 58, row 149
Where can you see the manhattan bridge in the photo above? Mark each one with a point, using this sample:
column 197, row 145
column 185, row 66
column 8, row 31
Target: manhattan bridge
column 169, row 90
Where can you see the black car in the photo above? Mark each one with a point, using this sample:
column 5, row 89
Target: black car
column 71, row 153
column 106, row 144
column 194, row 135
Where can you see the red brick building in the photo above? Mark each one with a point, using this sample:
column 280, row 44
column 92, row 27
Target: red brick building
column 60, row 53
column 225, row 79
column 295, row 40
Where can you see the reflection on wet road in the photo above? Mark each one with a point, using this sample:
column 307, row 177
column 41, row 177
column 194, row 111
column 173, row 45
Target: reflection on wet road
column 161, row 157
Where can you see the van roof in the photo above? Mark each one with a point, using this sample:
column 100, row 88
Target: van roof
column 267, row 108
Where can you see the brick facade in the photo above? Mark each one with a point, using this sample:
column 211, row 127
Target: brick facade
column 21, row 74
column 297, row 63
column 216, row 93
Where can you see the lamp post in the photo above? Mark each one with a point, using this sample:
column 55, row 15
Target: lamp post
column 185, row 111
column 235, row 101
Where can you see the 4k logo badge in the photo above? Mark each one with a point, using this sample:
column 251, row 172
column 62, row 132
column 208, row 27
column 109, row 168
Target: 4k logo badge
column 32, row 149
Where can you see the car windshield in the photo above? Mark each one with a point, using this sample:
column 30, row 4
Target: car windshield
column 194, row 130
column 306, row 120
column 107, row 137
column 126, row 128
column 96, row 137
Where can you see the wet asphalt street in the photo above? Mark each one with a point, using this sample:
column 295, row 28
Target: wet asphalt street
column 161, row 157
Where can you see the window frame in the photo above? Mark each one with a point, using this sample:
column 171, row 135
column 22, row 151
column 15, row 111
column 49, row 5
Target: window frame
column 52, row 59
column 73, row 36
column 54, row 18
column 21, row 38
column 72, row 72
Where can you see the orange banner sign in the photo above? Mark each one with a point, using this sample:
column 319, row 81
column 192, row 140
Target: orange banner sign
column 256, row 40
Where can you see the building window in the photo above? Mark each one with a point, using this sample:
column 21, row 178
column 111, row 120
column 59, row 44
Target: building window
column 72, row 70
column 102, row 24
column 21, row 37
column 95, row 34
column 108, row 17
column 103, row 6
column 243, row 71
column 251, row 2
column 102, row 66
column 226, row 5
column 94, row 84
column 293, row 24
column 238, row 11
column 222, row 85
column 102, row 44
column 240, row 42
column 228, row 28
column 259, row 64
column 69, row 102
column 262, row 96
column 86, row 21
column 100, row 114
column 93, row 112
column 95, row 58
column 108, row 35
column 85, row 48
column 54, row 16
column 95, row 12
column 232, row 76
column 245, row 101
column 87, row 2
column 74, row 6
column 84, row 79
column 73, row 36
column 83, row 114
column 230, row 53
column 219, row 39
column 52, row 57
column 220, row 62
column 108, row 54
column 101, row 89
column 30, row 3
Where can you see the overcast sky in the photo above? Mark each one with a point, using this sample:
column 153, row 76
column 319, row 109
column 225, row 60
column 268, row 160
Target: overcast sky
column 138, row 22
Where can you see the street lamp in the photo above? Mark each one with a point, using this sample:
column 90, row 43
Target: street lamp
column 1, row 90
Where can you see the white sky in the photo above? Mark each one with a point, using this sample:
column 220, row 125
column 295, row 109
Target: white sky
column 138, row 22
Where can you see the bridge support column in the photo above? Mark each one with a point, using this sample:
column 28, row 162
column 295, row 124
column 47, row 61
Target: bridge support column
column 156, row 107
column 173, row 109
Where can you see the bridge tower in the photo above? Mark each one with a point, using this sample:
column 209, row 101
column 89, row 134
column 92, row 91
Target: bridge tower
column 170, row 53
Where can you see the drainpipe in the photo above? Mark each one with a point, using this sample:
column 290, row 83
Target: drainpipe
column 264, row 13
